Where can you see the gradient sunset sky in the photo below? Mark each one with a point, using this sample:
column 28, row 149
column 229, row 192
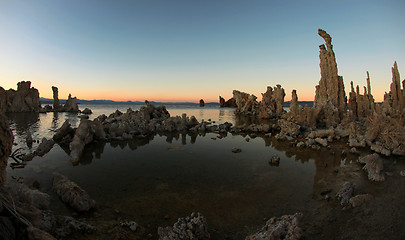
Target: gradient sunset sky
column 172, row 50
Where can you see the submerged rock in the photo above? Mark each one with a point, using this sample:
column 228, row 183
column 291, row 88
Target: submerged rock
column 285, row 227
column 132, row 225
column 44, row 147
column 345, row 193
column 193, row 227
column 71, row 194
column 63, row 227
column 236, row 150
column 87, row 111
column 374, row 166
column 360, row 199
column 274, row 160
column 37, row 234
column 64, row 135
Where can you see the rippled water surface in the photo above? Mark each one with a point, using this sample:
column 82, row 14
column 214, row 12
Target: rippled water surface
column 155, row 180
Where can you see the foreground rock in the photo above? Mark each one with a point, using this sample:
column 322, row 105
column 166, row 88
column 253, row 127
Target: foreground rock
column 71, row 194
column 6, row 144
column 374, row 166
column 285, row 227
column 193, row 227
column 64, row 227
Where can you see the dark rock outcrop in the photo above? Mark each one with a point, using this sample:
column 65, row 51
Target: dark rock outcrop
column 285, row 227
column 230, row 103
column 87, row 111
column 6, row 144
column 202, row 103
column 44, row 147
column 71, row 105
column 85, row 133
column 193, row 227
column 56, row 104
column 25, row 99
column 64, row 135
column 71, row 194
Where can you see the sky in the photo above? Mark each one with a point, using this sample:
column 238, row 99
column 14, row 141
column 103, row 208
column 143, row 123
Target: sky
column 187, row 50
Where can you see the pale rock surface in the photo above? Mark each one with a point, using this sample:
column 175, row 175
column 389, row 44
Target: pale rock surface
column 193, row 227
column 285, row 227
column 374, row 166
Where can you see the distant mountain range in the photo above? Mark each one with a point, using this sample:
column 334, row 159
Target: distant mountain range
column 79, row 101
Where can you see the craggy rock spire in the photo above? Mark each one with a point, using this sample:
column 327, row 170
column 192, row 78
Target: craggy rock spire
column 230, row 103
column 71, row 104
column 245, row 103
column 394, row 101
column 202, row 103
column 330, row 93
column 361, row 106
column 294, row 102
column 56, row 103
column 272, row 102
column 25, row 99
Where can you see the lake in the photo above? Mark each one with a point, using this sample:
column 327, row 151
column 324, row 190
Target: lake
column 157, row 179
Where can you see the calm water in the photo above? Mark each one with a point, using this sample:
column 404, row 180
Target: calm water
column 147, row 179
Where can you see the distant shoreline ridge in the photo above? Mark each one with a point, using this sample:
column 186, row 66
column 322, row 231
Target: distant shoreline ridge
column 80, row 101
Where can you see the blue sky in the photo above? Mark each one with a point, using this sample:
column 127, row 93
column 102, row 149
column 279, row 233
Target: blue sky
column 187, row 50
